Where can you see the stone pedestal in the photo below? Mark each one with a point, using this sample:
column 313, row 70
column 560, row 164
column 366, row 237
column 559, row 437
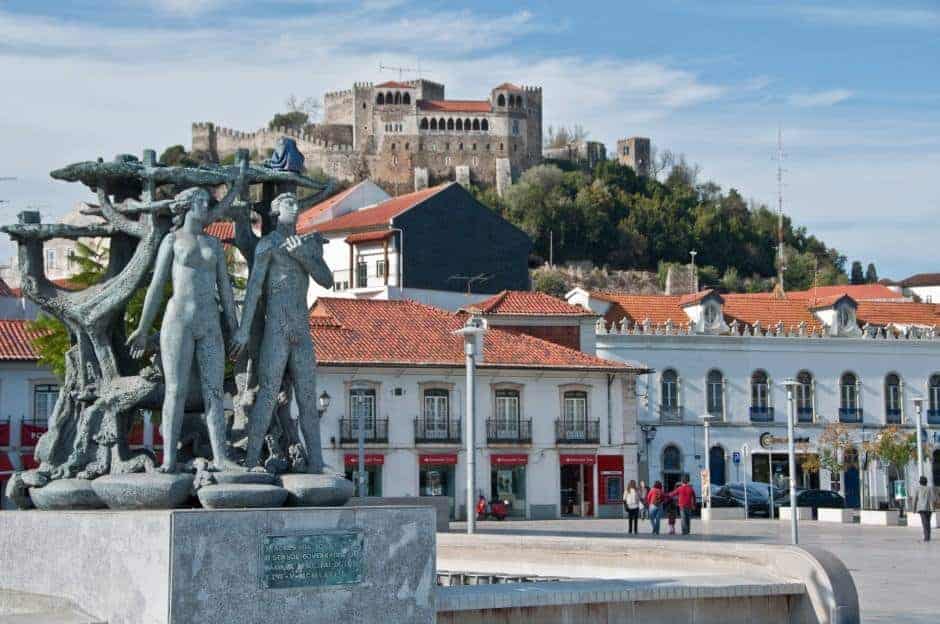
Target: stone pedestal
column 722, row 513
column 844, row 516
column 350, row 564
column 802, row 513
column 891, row 517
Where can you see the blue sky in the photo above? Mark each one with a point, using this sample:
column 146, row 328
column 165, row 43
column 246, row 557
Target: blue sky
column 855, row 87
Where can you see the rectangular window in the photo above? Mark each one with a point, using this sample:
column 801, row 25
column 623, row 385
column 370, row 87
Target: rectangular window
column 507, row 412
column 44, row 398
column 362, row 405
column 575, row 411
column 362, row 275
column 715, row 389
column 436, row 412
column 380, row 268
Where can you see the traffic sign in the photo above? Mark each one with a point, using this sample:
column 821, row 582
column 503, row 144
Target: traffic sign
column 736, row 457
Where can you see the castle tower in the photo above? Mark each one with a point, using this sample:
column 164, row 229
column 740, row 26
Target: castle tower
column 635, row 153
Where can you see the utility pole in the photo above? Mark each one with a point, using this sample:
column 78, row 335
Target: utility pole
column 474, row 327
column 781, row 260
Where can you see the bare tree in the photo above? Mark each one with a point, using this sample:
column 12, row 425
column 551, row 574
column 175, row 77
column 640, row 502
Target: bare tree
column 310, row 106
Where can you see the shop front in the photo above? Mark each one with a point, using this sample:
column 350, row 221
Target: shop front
column 437, row 476
column 577, row 485
column 507, row 481
column 374, row 463
column 610, row 494
column 771, row 464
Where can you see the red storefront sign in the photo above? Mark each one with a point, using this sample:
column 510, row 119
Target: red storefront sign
column 4, row 434
column 372, row 459
column 30, row 433
column 5, row 464
column 571, row 460
column 509, row 460
column 449, row 459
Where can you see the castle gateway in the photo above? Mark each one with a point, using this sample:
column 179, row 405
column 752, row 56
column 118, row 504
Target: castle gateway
column 406, row 135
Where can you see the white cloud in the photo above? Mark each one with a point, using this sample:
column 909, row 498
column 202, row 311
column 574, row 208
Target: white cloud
column 820, row 98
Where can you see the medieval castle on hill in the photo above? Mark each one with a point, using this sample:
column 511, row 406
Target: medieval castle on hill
column 406, row 135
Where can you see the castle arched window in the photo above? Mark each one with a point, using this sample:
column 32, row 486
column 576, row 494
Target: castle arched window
column 484, row 125
column 393, row 147
column 380, row 99
column 848, row 399
column 406, row 98
column 424, row 123
column 388, row 97
column 398, row 97
column 433, row 124
column 460, row 146
column 805, row 403
column 442, row 124
column 476, row 124
column 466, row 124
column 892, row 399
column 512, row 101
column 407, row 145
column 460, row 124
column 501, row 100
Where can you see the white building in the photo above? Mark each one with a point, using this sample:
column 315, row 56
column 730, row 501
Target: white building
column 862, row 363
column 556, row 427
column 924, row 286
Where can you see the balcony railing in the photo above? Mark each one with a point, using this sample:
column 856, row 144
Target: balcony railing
column 503, row 432
column 430, row 431
column 763, row 413
column 670, row 413
column 933, row 417
column 804, row 414
column 376, row 430
column 850, row 414
column 573, row 432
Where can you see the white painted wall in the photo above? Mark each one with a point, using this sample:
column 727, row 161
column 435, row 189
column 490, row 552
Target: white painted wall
column 17, row 381
column 927, row 294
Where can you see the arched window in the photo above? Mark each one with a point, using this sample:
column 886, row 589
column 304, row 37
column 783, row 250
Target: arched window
column 406, row 98
column 466, row 124
column 512, row 101
column 433, row 124
column 460, row 124
column 892, row 399
column 849, row 411
column 389, row 98
column 933, row 404
column 501, row 100
column 672, row 466
column 669, row 393
column 760, row 397
column 484, row 125
column 398, row 97
column 407, row 145
column 476, row 124
column 936, row 467
column 393, row 147
column 460, row 146
column 424, row 123
column 715, row 393
column 442, row 124
column 805, row 408
column 380, row 99
column 716, row 465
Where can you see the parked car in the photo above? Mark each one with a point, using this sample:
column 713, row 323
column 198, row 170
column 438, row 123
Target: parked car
column 813, row 498
column 732, row 495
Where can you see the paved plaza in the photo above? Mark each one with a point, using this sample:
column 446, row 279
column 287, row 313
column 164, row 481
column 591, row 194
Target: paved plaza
column 895, row 572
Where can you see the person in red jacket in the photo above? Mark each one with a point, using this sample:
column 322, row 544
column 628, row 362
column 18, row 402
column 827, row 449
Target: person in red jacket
column 654, row 500
column 685, row 496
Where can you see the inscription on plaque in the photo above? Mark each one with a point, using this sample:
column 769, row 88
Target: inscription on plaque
column 311, row 559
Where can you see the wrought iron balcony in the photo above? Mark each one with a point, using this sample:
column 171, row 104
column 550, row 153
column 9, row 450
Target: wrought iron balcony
column 503, row 432
column 430, row 431
column 670, row 414
column 573, row 432
column 850, row 414
column 762, row 413
column 376, row 430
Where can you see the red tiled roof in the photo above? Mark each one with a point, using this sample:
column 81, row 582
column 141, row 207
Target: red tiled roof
column 859, row 292
column 307, row 217
column 16, row 341
column 528, row 303
column 694, row 297
column 368, row 237
column 921, row 279
column 904, row 313
column 378, row 332
column 381, row 214
column 456, row 106
column 5, row 290
column 395, row 85
column 769, row 311
column 637, row 308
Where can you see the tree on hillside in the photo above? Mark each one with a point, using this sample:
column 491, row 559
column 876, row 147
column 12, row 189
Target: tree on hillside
column 871, row 275
column 856, row 276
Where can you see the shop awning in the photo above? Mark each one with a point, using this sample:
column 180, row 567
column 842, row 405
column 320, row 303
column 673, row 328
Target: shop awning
column 372, row 459
column 30, row 433
column 508, row 460
column 580, row 459
column 439, row 459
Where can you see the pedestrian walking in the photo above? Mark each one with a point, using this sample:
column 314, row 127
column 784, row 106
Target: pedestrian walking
column 644, row 506
column 671, row 514
column 923, row 505
column 631, row 504
column 654, row 500
column 685, row 498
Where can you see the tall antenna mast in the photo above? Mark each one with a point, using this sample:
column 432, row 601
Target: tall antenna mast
column 781, row 260
column 401, row 70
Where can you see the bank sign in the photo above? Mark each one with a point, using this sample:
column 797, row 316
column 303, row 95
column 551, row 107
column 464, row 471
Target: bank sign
column 769, row 440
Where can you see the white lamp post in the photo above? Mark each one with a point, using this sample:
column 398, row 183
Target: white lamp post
column 746, row 456
column 919, row 411
column 474, row 327
column 706, row 492
column 790, row 385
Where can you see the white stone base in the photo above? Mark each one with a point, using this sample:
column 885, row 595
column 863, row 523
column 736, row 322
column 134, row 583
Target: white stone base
column 913, row 520
column 722, row 513
column 802, row 513
column 844, row 516
column 891, row 517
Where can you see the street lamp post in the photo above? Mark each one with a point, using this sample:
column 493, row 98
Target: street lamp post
column 745, row 455
column 791, row 452
column 919, row 410
column 473, row 329
column 706, row 493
